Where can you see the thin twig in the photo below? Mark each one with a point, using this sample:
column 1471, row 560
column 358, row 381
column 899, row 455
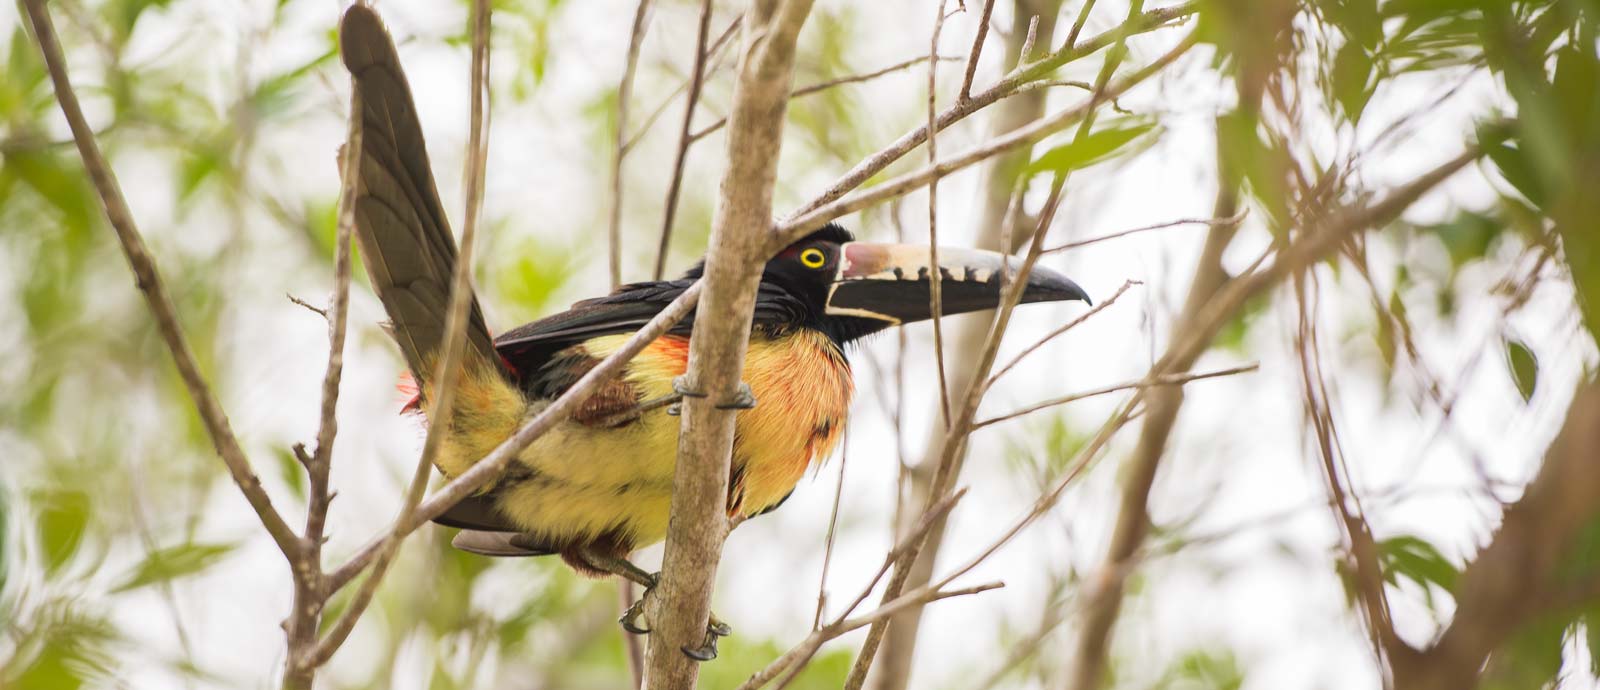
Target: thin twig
column 814, row 215
column 696, row 81
column 148, row 280
column 310, row 599
column 1104, row 304
column 1208, row 222
column 319, row 311
column 977, row 49
column 936, row 277
column 1163, row 380
column 620, row 150
column 448, row 371
column 716, row 54
column 833, row 526
column 1077, row 25
column 832, row 83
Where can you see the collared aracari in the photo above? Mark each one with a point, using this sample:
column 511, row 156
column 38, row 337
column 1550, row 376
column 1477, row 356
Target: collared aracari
column 598, row 486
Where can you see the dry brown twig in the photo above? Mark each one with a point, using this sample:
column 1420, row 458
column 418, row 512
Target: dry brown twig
column 685, row 140
column 148, row 280
column 832, row 83
column 951, row 452
column 620, row 147
column 448, row 370
column 935, row 278
column 717, row 348
column 716, row 54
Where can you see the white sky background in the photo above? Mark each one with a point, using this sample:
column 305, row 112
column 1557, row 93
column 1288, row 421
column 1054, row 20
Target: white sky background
column 1238, row 462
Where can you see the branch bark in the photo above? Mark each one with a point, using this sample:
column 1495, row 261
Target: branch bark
column 739, row 237
column 1213, row 300
column 641, row 15
column 1522, row 573
column 148, row 280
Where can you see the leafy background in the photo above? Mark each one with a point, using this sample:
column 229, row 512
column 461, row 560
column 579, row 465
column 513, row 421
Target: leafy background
column 1455, row 342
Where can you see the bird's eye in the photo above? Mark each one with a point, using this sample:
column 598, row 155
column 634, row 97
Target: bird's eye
column 813, row 258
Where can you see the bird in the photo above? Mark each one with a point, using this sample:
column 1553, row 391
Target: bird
column 598, row 486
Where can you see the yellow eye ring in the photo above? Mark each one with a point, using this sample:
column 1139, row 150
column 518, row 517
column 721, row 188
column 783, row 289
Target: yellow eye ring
column 813, row 258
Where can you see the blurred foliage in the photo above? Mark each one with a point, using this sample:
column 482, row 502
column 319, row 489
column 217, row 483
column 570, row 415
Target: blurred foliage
column 109, row 477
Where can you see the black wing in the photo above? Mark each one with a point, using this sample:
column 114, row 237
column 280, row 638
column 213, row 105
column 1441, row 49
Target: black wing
column 530, row 346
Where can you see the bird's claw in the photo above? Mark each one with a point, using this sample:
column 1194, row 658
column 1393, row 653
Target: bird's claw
column 633, row 621
column 743, row 399
column 707, row 650
column 630, row 618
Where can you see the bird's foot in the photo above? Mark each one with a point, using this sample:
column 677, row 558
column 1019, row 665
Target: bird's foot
column 634, row 621
column 743, row 399
column 635, row 614
column 715, row 630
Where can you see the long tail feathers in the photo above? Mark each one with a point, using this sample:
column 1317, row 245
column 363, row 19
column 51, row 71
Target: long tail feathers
column 401, row 228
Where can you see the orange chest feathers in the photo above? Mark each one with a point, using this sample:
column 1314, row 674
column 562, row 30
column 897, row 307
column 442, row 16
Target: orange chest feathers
column 803, row 389
column 802, row 386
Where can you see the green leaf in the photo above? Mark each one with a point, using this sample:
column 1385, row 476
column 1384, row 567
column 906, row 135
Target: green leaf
column 1467, row 237
column 63, row 515
column 1524, row 367
column 1418, row 561
column 1084, row 152
column 174, row 562
column 1352, row 72
column 292, row 472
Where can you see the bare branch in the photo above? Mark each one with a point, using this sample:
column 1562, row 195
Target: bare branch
column 1162, row 380
column 935, row 279
column 717, row 347
column 448, row 371
column 831, row 83
column 305, row 616
column 1030, row 72
column 620, row 148
column 814, row 215
column 148, row 280
column 1208, row 222
column 977, row 49
column 1103, row 305
column 696, row 80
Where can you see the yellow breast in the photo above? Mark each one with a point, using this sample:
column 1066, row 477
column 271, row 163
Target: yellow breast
column 586, row 481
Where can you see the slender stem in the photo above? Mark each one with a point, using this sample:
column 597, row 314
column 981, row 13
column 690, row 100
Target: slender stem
column 685, row 140
column 448, row 371
column 977, row 49
column 148, row 280
column 1163, row 380
column 619, row 148
column 700, row 481
column 936, row 277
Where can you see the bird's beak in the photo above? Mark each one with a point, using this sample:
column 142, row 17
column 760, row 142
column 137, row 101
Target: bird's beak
column 890, row 282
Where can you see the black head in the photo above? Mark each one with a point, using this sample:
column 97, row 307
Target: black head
column 849, row 289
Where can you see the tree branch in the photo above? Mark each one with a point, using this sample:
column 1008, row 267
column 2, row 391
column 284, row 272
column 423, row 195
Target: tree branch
column 1525, row 571
column 1213, row 301
column 717, row 347
column 620, row 151
column 148, row 280
column 685, row 140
